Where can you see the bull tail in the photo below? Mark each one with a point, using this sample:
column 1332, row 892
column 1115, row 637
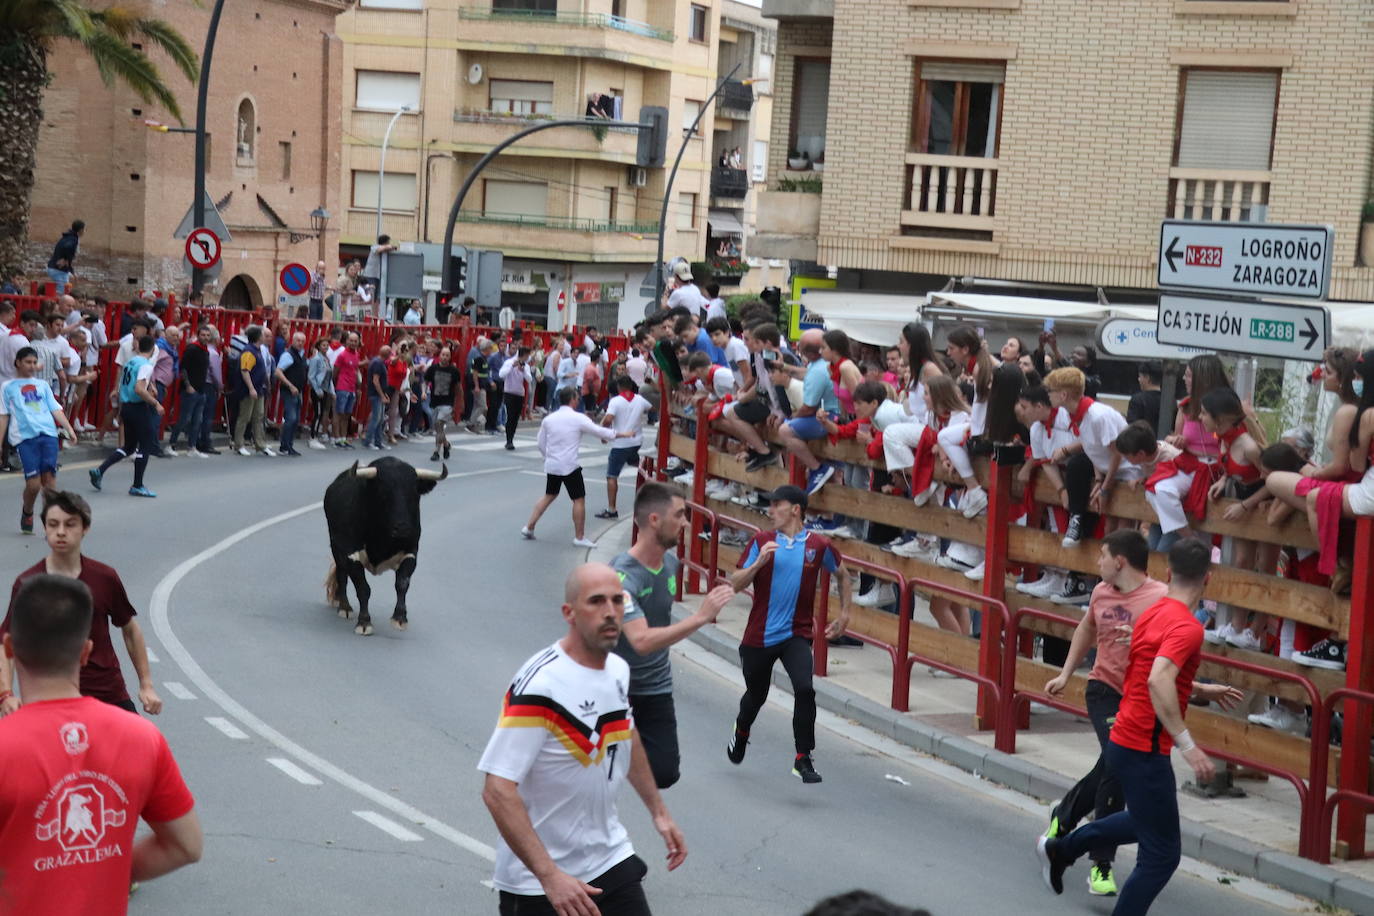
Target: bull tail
column 331, row 595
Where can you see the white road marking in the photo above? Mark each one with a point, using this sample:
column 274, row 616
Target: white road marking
column 295, row 772
column 158, row 614
column 152, row 656
column 229, row 728
column 534, row 473
column 386, row 825
column 490, row 446
column 178, row 690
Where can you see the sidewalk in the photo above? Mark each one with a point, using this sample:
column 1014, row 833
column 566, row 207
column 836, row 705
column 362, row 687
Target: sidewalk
column 1255, row 836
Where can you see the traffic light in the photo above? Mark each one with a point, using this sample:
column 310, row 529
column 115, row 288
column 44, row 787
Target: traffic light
column 653, row 136
column 457, row 280
column 443, row 305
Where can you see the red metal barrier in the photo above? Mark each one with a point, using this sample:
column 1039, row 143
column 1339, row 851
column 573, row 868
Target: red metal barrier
column 901, row 672
column 690, row 558
column 1359, row 677
column 1360, row 799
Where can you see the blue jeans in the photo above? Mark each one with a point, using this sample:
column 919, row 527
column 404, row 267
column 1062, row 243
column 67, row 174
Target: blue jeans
column 290, row 419
column 60, row 277
column 190, row 418
column 376, row 420
column 207, row 422
column 1150, row 820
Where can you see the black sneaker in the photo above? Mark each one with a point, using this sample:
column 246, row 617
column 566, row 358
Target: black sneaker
column 1076, row 530
column 1051, row 867
column 1075, row 591
column 739, row 742
column 435, row 456
column 448, row 450
column 1329, row 654
column 757, row 462
column 805, row 770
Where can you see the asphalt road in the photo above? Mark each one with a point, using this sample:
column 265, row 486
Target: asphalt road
column 336, row 774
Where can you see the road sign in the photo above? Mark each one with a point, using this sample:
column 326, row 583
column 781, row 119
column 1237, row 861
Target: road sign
column 1280, row 329
column 1259, row 259
column 1135, row 338
column 203, row 248
column 213, row 221
column 295, row 279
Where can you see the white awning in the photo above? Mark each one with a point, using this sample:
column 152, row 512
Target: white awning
column 1352, row 325
column 723, row 222
column 1033, row 308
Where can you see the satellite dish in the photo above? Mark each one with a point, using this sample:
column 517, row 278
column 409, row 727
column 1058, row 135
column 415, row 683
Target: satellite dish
column 475, row 74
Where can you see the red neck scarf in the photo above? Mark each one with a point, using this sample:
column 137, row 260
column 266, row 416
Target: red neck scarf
column 972, row 367
column 1228, row 438
column 628, row 395
column 1079, row 412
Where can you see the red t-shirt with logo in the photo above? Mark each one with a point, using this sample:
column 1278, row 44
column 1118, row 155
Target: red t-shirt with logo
column 1169, row 630
column 75, row 777
column 347, row 365
column 101, row 677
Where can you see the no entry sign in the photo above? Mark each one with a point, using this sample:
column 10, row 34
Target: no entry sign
column 202, row 248
column 1248, row 259
column 295, row 279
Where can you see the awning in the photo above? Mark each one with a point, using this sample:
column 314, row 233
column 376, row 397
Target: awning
column 724, row 222
column 1352, row 324
column 1033, row 308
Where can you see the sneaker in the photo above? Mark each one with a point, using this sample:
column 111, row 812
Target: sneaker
column 608, row 513
column 1075, row 531
column 846, row 641
column 370, row 447
column 940, row 672
column 898, row 541
column 142, row 491
column 1218, row 635
column 510, row 446
column 817, row 479
column 244, row 452
column 26, row 523
column 687, row 478
column 975, row 574
column 923, row 547
column 877, row 596
column 171, row 452
column 384, row 447
column 1056, row 830
column 821, row 523
column 317, row 444
column 1329, row 654
column 948, row 562
column 739, row 742
column 805, row 770
column 1245, row 640
column 435, row 456
column 846, row 531
column 97, row 476
column 448, row 450
column 1277, row 717
column 1051, row 583
column 674, row 462
column 583, row 542
column 1075, row 591
column 1050, row 869
column 291, row 452
column 719, row 489
column 757, row 461
column 1100, row 880
column 973, row 502
column 749, row 498
column 929, row 493
column 527, row 533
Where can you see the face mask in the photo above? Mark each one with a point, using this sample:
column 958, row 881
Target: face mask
column 1358, row 385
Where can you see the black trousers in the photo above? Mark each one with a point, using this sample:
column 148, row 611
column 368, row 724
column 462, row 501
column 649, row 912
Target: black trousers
column 757, row 664
column 514, row 404
column 493, row 405
column 622, row 894
column 1099, row 792
column 1079, row 475
column 656, row 723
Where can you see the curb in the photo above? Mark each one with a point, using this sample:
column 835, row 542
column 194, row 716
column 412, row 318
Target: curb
column 1200, row 841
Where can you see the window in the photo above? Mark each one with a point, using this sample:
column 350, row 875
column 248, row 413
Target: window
column 392, row 4
column 398, row 191
column 521, row 97
column 610, row 194
column 810, row 103
column 247, row 133
column 516, row 198
column 758, row 163
column 686, row 210
column 958, row 107
column 697, row 29
column 690, row 109
column 1227, row 121
column 548, row 7
column 618, row 9
column 384, row 90
column 765, row 68
column 285, row 149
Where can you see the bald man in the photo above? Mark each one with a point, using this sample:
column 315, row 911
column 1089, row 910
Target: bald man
column 818, row 397
column 292, row 372
column 562, row 747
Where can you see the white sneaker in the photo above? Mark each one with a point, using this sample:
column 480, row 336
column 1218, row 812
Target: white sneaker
column 1277, row 717
column 976, row 573
column 922, row 547
column 318, row 444
column 1218, row 635
column 267, row 450
column 949, row 562
column 925, row 495
column 171, row 452
column 845, row 531
column 527, row 533
column 878, row 596
column 1051, row 583
column 583, row 542
column 687, row 479
column 245, row 453
column 195, row 453
column 1245, row 640
column 974, row 501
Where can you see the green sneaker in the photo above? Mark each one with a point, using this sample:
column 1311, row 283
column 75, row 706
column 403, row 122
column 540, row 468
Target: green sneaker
column 1100, row 881
column 1055, row 831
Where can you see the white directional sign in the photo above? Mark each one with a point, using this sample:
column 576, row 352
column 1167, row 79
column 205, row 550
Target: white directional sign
column 1135, row 338
column 1277, row 329
column 1259, row 259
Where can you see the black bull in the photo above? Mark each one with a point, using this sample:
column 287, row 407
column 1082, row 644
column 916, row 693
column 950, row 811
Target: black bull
column 373, row 515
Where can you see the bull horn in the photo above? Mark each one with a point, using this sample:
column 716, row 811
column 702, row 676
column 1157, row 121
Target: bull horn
column 427, row 474
column 365, row 473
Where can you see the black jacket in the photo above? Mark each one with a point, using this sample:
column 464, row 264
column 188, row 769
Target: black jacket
column 64, row 252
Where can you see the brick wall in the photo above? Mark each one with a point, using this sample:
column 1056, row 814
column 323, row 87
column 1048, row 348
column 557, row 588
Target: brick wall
column 792, row 35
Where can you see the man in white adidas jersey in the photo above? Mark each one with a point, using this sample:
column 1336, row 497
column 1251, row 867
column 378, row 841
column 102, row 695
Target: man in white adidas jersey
column 562, row 747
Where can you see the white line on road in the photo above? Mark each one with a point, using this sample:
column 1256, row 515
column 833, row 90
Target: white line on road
column 295, row 772
column 490, row 446
column 158, row 613
column 152, row 656
column 386, row 825
column 534, row 473
column 178, row 690
column 229, row 728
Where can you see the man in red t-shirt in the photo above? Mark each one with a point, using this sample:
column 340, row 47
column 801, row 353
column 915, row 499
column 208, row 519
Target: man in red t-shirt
column 76, row 774
column 66, row 519
column 1166, row 648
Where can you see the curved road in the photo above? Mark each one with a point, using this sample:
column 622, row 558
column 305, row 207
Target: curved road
column 337, row 774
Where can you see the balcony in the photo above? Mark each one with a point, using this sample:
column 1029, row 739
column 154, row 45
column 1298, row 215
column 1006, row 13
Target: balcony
column 785, row 10
column 735, row 101
column 565, row 33
column 729, row 183
column 560, row 238
column 485, row 129
column 786, row 225
column 1220, row 195
column 951, row 192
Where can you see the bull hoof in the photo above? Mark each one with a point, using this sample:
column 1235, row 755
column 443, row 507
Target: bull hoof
column 363, row 629
column 346, row 612
column 398, row 624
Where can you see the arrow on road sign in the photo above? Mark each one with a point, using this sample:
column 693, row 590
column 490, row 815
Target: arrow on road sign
column 1311, row 333
column 1173, row 253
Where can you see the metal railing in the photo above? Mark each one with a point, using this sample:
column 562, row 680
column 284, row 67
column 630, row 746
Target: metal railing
column 729, row 182
column 576, row 224
column 490, row 116
column 594, row 20
column 736, row 96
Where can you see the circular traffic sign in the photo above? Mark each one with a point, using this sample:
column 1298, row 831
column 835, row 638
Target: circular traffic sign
column 202, row 248
column 295, row 279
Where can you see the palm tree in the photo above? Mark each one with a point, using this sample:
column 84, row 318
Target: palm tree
column 29, row 31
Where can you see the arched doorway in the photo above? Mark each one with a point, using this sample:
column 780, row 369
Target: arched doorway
column 241, row 293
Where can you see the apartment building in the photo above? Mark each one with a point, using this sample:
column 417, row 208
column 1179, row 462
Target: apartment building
column 576, row 218
column 271, row 156
column 1044, row 141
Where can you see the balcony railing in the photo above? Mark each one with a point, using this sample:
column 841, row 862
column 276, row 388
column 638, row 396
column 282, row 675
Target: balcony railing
column 487, row 116
column 594, row 20
column 728, row 182
column 1217, row 194
column 951, row 192
column 559, row 222
column 736, row 96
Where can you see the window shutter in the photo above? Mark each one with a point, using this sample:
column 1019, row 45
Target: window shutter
column 759, row 165
column 387, row 91
column 1228, row 120
column 519, row 198
column 523, row 90
column 398, row 190
column 813, row 103
column 956, row 72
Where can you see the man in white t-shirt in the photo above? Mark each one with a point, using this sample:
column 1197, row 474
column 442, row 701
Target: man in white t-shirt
column 564, row 744
column 715, row 305
column 687, row 294
column 736, row 353
column 626, row 414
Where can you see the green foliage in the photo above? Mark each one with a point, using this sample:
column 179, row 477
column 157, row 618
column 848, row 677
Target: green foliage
column 808, row 185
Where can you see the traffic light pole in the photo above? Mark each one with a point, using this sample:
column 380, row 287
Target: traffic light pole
column 202, row 101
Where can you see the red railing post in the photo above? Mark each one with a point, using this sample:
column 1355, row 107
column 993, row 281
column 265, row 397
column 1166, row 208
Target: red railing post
column 701, row 457
column 1359, row 675
column 665, row 422
column 901, row 674
column 994, row 584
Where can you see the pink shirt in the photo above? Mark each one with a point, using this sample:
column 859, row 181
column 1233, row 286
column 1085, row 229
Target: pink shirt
column 1199, row 441
column 1110, row 609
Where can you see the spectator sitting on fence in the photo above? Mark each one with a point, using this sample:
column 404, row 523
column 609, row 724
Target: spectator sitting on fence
column 1178, row 488
column 1049, row 431
column 1002, row 395
column 975, row 366
column 818, row 396
column 757, row 399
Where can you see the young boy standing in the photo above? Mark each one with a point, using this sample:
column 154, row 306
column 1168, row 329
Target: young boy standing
column 29, row 417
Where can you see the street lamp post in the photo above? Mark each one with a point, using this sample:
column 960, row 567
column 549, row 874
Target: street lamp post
column 319, row 220
column 202, row 100
column 381, row 171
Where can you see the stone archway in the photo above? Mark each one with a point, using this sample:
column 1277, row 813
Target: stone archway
column 242, row 292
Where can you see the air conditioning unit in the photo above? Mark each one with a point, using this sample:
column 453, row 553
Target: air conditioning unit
column 639, row 176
